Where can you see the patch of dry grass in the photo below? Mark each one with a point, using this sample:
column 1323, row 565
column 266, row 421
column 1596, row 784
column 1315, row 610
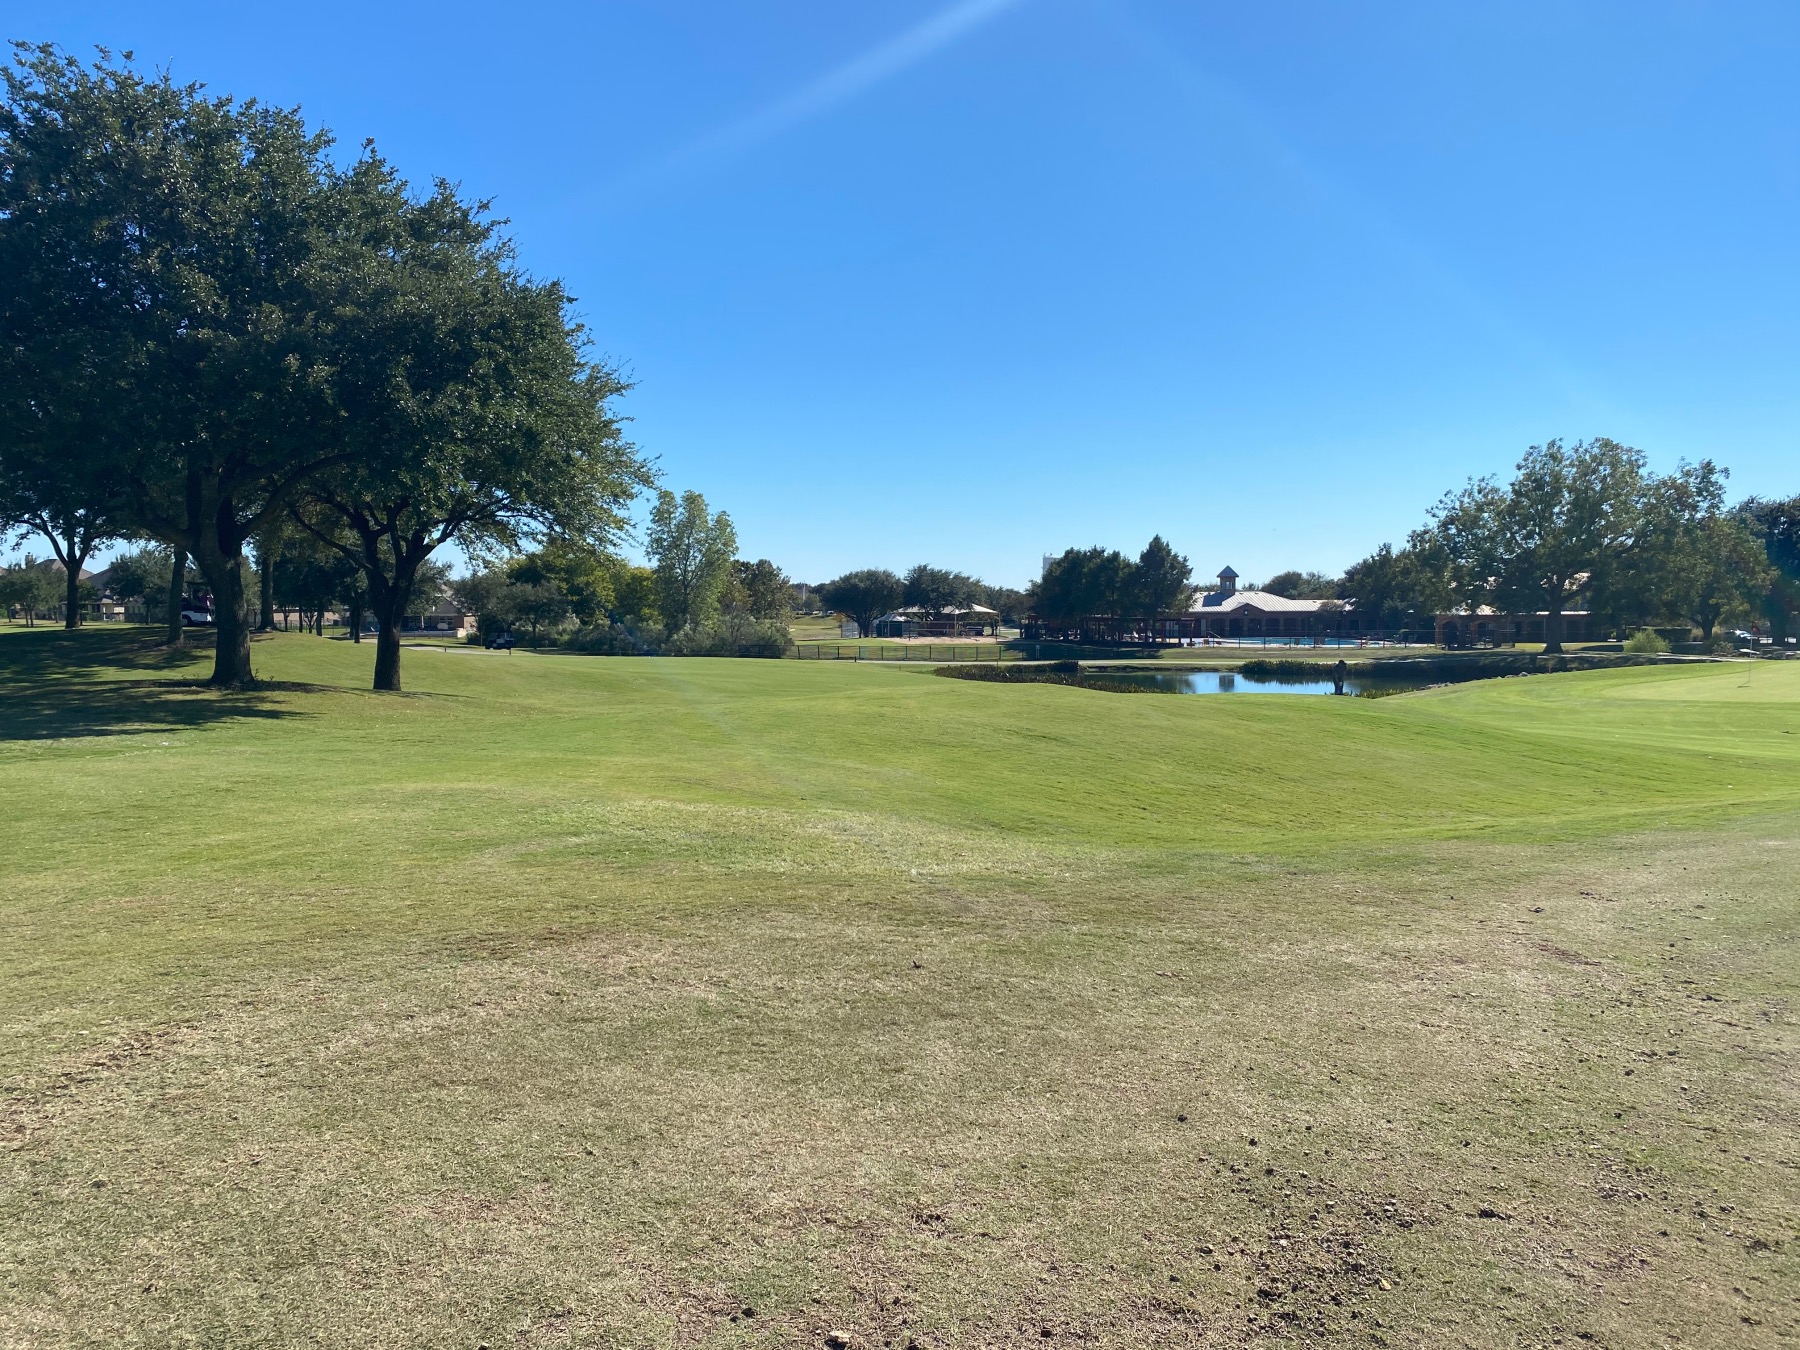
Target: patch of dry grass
column 983, row 1115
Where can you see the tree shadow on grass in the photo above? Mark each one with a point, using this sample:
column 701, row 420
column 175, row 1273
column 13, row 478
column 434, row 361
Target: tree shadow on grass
column 60, row 684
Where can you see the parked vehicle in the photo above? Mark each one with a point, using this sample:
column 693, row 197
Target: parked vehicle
column 197, row 612
column 499, row 642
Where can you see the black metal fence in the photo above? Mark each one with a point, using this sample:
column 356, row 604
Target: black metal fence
column 904, row 651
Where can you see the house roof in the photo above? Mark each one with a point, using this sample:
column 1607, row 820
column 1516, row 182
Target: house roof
column 1488, row 611
column 1226, row 571
column 1226, row 601
column 85, row 574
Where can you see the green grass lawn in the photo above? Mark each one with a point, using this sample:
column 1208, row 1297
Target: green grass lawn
column 816, row 628
column 611, row 1002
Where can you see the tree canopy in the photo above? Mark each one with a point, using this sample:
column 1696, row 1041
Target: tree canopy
column 1569, row 516
column 760, row 589
column 1304, row 586
column 221, row 325
column 170, row 258
column 937, row 590
column 472, row 415
column 1104, row 592
column 692, row 551
column 864, row 595
column 1399, row 590
column 1775, row 525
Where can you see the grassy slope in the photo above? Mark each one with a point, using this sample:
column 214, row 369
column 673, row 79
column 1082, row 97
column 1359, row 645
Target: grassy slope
column 589, row 1001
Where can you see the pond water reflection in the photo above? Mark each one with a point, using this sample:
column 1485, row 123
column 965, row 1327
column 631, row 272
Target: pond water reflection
column 1230, row 682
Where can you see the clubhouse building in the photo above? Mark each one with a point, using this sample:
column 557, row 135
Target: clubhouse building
column 1228, row 612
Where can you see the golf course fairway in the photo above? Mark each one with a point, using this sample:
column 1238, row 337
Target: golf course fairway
column 573, row 1001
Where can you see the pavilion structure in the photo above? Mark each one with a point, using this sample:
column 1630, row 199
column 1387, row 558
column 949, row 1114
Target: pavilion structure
column 956, row 621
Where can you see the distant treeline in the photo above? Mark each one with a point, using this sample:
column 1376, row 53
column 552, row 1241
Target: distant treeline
column 1587, row 526
column 868, row 593
column 1579, row 527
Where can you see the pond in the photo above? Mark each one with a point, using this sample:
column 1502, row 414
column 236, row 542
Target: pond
column 1230, row 682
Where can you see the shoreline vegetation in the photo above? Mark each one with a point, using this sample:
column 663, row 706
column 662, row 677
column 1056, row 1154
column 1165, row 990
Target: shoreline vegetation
column 1404, row 674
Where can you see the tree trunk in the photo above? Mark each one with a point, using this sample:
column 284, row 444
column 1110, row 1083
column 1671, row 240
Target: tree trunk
column 265, row 576
column 1775, row 611
column 231, row 619
column 1553, row 630
column 72, row 588
column 177, row 585
column 387, row 656
column 356, row 620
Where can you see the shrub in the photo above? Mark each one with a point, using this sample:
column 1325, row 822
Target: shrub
column 612, row 639
column 732, row 635
column 1646, row 641
column 1049, row 672
column 1285, row 669
column 729, row 635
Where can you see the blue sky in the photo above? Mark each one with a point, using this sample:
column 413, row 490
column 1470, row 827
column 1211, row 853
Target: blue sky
column 902, row 280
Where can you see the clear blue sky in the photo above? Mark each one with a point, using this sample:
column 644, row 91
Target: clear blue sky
column 903, row 280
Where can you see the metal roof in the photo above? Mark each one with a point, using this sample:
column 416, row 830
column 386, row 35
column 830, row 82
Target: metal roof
column 1226, row 601
column 951, row 609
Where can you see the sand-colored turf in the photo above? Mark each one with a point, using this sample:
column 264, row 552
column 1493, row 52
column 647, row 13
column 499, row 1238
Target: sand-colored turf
column 607, row 1002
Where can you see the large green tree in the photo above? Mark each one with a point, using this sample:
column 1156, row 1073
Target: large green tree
column 1544, row 541
column 1730, row 572
column 468, row 407
column 1775, row 525
column 165, row 254
column 761, row 589
column 864, row 596
column 1103, row 593
column 30, row 586
column 1158, row 584
column 691, row 549
column 1399, row 590
column 140, row 573
column 309, row 577
column 586, row 578
column 937, row 590
column 1668, row 565
column 45, row 490
column 1088, row 590
column 1304, row 586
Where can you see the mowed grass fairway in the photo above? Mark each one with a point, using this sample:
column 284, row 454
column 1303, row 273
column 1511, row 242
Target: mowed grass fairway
column 609, row 1002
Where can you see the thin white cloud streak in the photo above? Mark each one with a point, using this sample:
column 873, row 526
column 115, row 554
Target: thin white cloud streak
column 852, row 78
column 1224, row 104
